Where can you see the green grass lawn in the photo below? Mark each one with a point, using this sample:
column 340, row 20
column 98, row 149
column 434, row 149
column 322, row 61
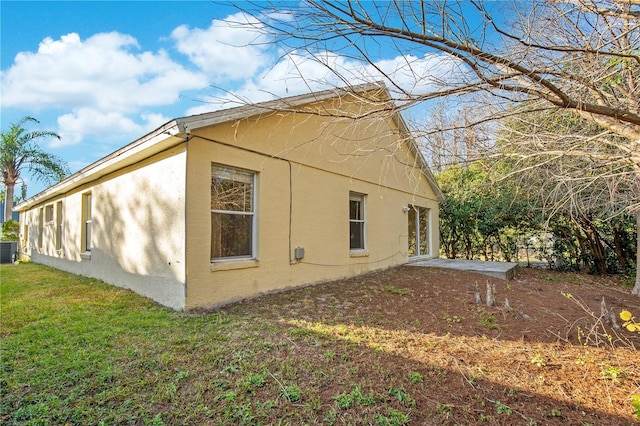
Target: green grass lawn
column 397, row 346
column 77, row 351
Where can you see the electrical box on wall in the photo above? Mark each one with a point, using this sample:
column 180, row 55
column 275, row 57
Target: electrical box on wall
column 298, row 253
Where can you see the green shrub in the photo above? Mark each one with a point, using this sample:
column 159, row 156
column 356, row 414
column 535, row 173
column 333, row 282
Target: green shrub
column 10, row 230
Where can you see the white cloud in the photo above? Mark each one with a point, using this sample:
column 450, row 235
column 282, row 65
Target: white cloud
column 105, row 72
column 103, row 82
column 298, row 73
column 107, row 126
column 230, row 49
column 204, row 108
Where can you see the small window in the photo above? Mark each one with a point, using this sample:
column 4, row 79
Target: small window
column 357, row 227
column 40, row 227
column 86, row 222
column 25, row 238
column 59, row 225
column 48, row 213
column 232, row 213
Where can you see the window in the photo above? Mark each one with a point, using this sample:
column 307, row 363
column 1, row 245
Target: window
column 232, row 213
column 48, row 213
column 25, row 238
column 86, row 222
column 40, row 227
column 59, row 225
column 418, row 231
column 356, row 222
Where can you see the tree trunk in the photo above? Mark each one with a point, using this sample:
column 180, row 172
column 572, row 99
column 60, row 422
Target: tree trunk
column 595, row 244
column 8, row 201
column 581, row 264
column 620, row 247
column 491, row 294
column 636, row 288
column 477, row 297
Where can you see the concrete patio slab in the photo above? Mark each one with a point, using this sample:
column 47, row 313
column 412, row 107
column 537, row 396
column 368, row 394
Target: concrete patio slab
column 502, row 270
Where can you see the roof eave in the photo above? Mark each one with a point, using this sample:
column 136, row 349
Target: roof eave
column 424, row 167
column 194, row 122
column 122, row 157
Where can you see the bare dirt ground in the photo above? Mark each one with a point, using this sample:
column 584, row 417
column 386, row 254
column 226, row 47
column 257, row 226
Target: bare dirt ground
column 546, row 358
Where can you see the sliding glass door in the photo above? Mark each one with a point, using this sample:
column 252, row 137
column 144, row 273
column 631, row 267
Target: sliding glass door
column 418, row 231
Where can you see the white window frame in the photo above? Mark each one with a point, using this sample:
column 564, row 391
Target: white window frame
column 48, row 213
column 220, row 170
column 420, row 212
column 40, row 227
column 59, row 218
column 87, row 220
column 362, row 220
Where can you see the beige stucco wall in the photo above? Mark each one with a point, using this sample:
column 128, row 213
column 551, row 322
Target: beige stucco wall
column 138, row 228
column 152, row 220
column 326, row 162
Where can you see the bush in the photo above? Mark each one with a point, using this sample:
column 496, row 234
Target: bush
column 10, row 230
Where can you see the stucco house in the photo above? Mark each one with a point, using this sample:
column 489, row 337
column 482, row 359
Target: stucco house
column 212, row 208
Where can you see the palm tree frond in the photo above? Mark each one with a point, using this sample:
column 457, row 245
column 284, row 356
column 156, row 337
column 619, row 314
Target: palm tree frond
column 19, row 150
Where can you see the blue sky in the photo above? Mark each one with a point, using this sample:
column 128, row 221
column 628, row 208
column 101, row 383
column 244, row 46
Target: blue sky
column 102, row 74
